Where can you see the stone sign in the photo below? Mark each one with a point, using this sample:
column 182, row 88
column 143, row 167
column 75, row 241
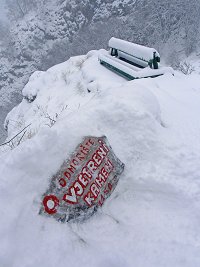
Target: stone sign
column 83, row 182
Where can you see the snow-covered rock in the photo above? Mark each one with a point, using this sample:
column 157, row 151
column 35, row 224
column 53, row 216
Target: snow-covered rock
column 153, row 126
column 50, row 31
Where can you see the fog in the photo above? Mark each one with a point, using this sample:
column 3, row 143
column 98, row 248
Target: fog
column 2, row 11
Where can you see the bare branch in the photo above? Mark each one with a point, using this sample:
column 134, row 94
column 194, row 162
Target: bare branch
column 21, row 138
column 11, row 140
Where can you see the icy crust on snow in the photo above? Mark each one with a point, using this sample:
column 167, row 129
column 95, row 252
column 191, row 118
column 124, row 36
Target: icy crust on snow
column 136, row 50
column 152, row 217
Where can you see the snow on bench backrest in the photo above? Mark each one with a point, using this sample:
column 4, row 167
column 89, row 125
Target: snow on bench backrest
column 135, row 50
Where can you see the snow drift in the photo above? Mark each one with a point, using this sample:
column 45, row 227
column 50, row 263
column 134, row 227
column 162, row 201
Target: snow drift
column 152, row 218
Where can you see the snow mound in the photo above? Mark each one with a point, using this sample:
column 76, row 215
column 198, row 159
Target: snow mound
column 67, row 88
column 153, row 126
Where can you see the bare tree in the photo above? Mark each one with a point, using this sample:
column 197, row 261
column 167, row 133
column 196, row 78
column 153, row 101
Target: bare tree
column 19, row 8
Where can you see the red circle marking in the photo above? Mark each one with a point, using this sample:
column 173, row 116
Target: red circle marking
column 45, row 203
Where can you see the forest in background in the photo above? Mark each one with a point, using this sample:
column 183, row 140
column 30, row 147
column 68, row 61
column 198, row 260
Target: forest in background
column 43, row 33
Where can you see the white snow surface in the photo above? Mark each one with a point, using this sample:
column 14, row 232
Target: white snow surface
column 136, row 50
column 153, row 125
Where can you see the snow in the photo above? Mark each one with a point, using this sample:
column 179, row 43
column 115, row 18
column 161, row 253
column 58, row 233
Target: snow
column 153, row 125
column 137, row 50
column 133, row 71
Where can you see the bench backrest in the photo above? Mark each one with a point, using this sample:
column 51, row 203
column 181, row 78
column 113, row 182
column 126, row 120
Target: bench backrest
column 138, row 54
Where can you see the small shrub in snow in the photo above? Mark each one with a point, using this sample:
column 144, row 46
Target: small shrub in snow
column 30, row 134
column 50, row 118
column 185, row 68
column 175, row 61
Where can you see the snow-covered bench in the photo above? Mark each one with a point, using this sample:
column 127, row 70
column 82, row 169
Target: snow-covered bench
column 132, row 60
column 138, row 55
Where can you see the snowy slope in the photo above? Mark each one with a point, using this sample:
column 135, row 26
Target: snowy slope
column 52, row 30
column 152, row 218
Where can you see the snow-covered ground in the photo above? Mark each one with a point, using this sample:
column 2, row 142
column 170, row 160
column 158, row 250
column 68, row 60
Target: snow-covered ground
column 153, row 216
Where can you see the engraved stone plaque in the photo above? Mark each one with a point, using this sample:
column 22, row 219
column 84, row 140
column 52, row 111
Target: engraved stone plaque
column 83, row 182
